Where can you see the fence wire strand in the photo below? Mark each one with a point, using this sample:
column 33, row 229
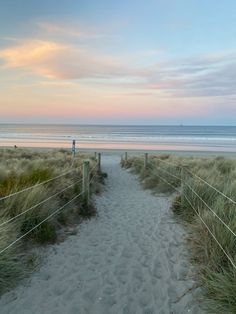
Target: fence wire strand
column 170, row 174
column 214, row 213
column 210, row 185
column 167, row 162
column 37, row 185
column 199, row 178
column 92, row 169
column 226, row 254
column 39, row 224
column 167, row 182
column 38, row 204
column 92, row 178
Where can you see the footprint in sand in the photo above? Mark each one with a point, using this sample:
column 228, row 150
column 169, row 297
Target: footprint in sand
column 119, row 263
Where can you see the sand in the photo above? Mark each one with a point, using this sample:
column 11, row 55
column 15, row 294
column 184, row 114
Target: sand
column 131, row 259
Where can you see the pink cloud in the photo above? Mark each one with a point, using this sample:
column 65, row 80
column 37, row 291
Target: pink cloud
column 207, row 76
column 30, row 53
column 59, row 61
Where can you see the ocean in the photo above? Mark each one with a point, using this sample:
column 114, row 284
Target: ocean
column 157, row 138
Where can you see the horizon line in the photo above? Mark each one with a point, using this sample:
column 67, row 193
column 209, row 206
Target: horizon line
column 114, row 124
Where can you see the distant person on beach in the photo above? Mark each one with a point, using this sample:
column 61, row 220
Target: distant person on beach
column 15, row 146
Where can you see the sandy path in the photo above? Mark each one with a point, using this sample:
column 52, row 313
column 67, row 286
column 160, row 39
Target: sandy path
column 129, row 260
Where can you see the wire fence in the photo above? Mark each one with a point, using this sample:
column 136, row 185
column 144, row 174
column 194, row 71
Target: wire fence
column 181, row 188
column 170, row 174
column 39, row 224
column 211, row 186
column 91, row 171
column 212, row 234
column 91, row 180
column 40, row 203
column 163, row 179
column 184, row 184
column 37, row 185
column 193, row 175
column 213, row 212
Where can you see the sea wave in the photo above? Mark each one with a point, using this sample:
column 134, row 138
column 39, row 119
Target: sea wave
column 171, row 137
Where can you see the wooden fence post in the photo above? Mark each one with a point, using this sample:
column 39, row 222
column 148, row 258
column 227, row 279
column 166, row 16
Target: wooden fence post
column 86, row 181
column 95, row 155
column 99, row 162
column 145, row 161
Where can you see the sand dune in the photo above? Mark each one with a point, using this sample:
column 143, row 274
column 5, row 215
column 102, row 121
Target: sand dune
column 131, row 259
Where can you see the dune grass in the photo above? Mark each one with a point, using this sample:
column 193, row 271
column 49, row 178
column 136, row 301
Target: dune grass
column 20, row 169
column 216, row 274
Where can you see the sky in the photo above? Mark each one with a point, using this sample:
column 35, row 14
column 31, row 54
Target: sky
column 118, row 62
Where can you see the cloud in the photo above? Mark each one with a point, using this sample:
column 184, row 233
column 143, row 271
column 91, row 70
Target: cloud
column 59, row 61
column 32, row 55
column 203, row 76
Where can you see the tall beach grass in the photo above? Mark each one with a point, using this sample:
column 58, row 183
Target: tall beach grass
column 209, row 216
column 21, row 169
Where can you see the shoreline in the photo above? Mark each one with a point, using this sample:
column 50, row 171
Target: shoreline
column 132, row 151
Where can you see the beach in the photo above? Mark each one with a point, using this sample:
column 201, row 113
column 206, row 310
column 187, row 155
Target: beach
column 131, row 258
column 117, row 157
column 176, row 138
